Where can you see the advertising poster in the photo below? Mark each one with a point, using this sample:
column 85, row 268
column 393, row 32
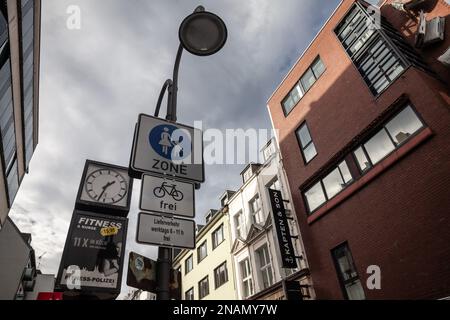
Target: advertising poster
column 93, row 255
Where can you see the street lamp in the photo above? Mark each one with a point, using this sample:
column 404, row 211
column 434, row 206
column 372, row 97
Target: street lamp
column 201, row 33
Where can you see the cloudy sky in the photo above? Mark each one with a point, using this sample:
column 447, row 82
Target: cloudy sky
column 96, row 80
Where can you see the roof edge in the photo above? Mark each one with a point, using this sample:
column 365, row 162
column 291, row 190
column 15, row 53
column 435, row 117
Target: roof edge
column 306, row 50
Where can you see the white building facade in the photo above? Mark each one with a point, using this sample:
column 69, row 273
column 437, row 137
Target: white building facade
column 207, row 272
column 255, row 251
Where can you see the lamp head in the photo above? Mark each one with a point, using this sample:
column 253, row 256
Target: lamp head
column 203, row 33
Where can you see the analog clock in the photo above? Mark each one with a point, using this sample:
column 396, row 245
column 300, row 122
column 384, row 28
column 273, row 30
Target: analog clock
column 104, row 188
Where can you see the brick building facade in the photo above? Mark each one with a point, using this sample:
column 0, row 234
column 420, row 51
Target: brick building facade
column 364, row 127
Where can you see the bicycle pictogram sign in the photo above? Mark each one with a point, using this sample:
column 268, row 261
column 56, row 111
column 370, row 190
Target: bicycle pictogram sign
column 168, row 189
column 167, row 196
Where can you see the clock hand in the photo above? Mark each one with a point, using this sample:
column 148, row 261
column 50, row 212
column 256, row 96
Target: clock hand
column 100, row 196
column 106, row 186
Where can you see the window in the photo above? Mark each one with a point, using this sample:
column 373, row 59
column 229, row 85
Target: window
column 189, row 295
column 311, row 75
column 391, row 136
column 27, row 14
column 189, row 264
column 373, row 49
column 248, row 174
column 203, row 287
column 335, row 181
column 318, row 68
column 397, row 131
column 307, row 145
column 379, row 146
column 274, row 185
column 269, row 151
column 217, row 236
column 379, row 66
column 328, row 187
column 348, row 276
column 265, row 267
column 255, row 210
column 239, row 223
column 202, row 252
column 361, row 159
column 315, row 196
column 7, row 127
column 220, row 275
column 308, row 79
column 246, row 275
column 354, row 31
column 402, row 126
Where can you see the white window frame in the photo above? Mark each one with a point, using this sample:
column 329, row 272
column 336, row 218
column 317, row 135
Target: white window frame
column 267, row 268
column 239, row 224
column 258, row 214
column 247, row 279
column 216, row 241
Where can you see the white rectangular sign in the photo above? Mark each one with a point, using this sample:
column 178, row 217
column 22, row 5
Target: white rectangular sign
column 168, row 148
column 168, row 196
column 165, row 231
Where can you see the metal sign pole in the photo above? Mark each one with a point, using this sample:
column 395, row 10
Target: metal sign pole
column 165, row 254
column 163, row 272
column 218, row 31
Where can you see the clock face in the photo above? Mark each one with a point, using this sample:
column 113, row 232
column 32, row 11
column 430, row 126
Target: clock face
column 106, row 185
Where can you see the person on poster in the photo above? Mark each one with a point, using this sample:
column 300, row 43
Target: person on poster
column 108, row 258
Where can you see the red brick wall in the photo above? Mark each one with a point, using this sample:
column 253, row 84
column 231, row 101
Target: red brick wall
column 400, row 220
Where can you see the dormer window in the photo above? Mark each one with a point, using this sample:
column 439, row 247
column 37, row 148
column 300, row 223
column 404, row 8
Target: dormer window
column 268, row 151
column 247, row 174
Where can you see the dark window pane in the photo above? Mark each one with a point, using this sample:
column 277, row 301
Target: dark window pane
column 379, row 146
column 310, row 152
column 308, row 80
column 362, row 40
column 347, row 273
column 188, row 264
column 288, row 104
column 296, row 94
column 189, row 294
column 404, row 125
column 202, row 252
column 315, row 197
column 304, row 136
column 361, row 158
column 13, row 183
column 345, row 172
column 355, row 290
column 318, row 68
column 333, row 183
column 203, row 288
